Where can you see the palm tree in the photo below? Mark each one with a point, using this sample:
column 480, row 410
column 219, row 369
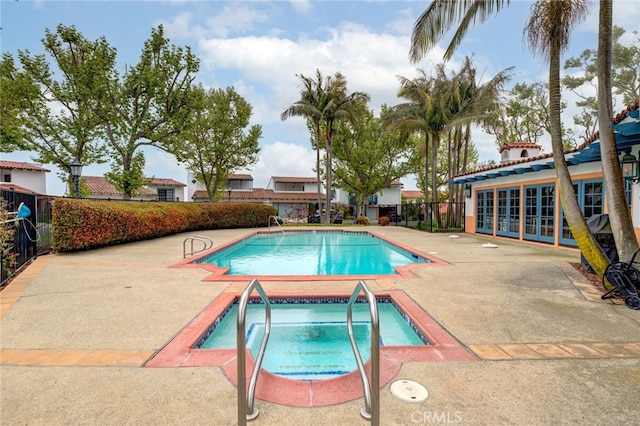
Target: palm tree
column 324, row 103
column 441, row 15
column 435, row 104
column 309, row 106
column 471, row 102
column 411, row 116
column 547, row 32
column 619, row 213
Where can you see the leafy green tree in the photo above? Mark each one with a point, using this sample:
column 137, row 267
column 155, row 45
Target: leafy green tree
column 130, row 179
column 50, row 110
column 367, row 155
column 217, row 138
column 524, row 116
column 625, row 78
column 146, row 108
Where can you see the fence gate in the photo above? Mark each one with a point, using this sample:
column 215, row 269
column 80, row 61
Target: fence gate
column 23, row 248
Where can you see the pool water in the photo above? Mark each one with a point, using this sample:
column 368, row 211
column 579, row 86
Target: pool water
column 309, row 340
column 312, row 253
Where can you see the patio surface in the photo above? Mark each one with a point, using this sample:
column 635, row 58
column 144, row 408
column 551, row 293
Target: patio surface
column 76, row 330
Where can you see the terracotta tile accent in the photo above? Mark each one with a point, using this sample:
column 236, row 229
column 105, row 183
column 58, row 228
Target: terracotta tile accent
column 520, row 351
column 6, row 355
column 580, row 350
column 489, row 352
column 550, row 350
column 63, row 358
column 105, row 357
column 132, row 358
column 31, row 357
column 5, row 308
column 613, row 350
column 633, row 347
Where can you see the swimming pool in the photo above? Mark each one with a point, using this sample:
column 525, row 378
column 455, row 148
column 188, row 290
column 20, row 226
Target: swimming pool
column 310, row 253
column 309, row 336
column 182, row 351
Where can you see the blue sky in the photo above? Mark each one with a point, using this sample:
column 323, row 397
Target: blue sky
column 259, row 46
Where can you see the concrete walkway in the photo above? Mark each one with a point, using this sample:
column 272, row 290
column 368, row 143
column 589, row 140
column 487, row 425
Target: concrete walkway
column 77, row 328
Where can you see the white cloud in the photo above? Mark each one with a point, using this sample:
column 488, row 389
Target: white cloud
column 303, row 7
column 370, row 61
column 235, row 17
column 282, row 159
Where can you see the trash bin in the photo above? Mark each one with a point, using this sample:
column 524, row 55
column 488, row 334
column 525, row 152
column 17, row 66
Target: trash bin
column 600, row 228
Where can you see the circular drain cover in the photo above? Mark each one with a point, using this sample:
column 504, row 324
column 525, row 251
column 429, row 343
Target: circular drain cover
column 408, row 390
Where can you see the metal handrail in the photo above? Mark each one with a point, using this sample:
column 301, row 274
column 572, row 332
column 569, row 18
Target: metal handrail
column 206, row 241
column 371, row 409
column 275, row 219
column 245, row 398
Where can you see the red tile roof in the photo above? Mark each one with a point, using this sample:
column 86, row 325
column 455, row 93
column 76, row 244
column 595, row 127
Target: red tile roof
column 240, row 176
column 165, row 182
column 292, row 179
column 18, row 165
column 582, row 146
column 409, row 193
column 7, row 186
column 260, row 195
column 98, row 185
column 520, row 145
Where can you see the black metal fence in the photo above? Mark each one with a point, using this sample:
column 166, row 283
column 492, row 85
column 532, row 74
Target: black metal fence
column 31, row 234
column 430, row 217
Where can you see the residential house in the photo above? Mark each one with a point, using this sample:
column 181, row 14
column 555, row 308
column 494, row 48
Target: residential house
column 518, row 199
column 23, row 177
column 239, row 187
column 157, row 189
column 379, row 204
column 412, row 196
column 291, row 196
column 295, row 197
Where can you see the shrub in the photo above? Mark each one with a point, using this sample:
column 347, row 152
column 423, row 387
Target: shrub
column 362, row 220
column 87, row 224
column 384, row 220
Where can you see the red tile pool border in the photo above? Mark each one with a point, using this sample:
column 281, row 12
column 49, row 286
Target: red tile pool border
column 280, row 390
column 220, row 274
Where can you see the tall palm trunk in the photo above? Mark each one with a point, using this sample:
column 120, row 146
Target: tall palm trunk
column 583, row 237
column 327, row 218
column 435, row 143
column 317, row 137
column 619, row 213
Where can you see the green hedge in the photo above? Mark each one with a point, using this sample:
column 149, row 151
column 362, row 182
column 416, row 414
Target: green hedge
column 85, row 224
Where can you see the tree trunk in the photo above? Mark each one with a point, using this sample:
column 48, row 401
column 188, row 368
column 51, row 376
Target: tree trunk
column 126, row 170
column 318, row 177
column 327, row 217
column 619, row 212
column 434, row 166
column 585, row 240
column 426, row 167
column 317, row 130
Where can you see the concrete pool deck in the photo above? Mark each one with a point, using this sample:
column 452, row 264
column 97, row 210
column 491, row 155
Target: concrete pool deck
column 76, row 329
